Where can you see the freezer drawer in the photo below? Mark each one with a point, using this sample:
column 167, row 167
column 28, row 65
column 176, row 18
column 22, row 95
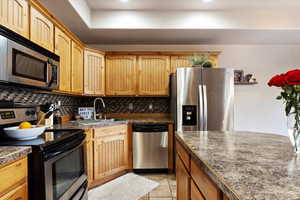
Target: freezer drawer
column 150, row 150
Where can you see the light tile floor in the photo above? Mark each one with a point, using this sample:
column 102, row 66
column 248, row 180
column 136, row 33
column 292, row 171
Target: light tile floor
column 165, row 191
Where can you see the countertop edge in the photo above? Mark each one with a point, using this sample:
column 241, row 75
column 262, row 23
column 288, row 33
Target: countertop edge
column 208, row 170
column 16, row 154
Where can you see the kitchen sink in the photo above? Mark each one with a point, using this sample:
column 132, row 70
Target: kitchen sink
column 89, row 122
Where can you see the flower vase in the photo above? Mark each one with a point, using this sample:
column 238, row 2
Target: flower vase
column 294, row 133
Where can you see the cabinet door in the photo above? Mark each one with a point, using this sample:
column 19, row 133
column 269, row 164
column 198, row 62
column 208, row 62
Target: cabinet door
column 41, row 30
column 110, row 154
column 19, row 193
column 94, row 73
column 100, row 76
column 63, row 49
column 121, row 75
column 154, row 75
column 77, row 68
column 180, row 61
column 182, row 181
column 4, row 7
column 195, row 192
column 18, row 17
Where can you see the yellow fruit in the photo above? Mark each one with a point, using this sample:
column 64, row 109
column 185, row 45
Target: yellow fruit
column 25, row 125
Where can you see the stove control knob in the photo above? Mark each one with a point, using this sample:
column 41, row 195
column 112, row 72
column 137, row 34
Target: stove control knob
column 27, row 113
column 30, row 112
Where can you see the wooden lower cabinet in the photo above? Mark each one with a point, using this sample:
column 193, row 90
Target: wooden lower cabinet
column 19, row 193
column 15, row 186
column 111, row 152
column 88, row 148
column 225, row 198
column 195, row 192
column 182, row 180
column 107, row 155
column 192, row 182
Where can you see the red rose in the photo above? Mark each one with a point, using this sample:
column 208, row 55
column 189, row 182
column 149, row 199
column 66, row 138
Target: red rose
column 292, row 77
column 278, row 81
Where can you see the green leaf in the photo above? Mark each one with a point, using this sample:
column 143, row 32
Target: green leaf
column 288, row 108
column 279, row 97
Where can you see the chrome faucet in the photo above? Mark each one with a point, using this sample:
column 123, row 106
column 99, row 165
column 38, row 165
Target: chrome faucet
column 95, row 112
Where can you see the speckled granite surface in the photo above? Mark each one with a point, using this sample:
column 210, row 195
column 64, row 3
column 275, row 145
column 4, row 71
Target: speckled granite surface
column 245, row 165
column 76, row 125
column 8, row 154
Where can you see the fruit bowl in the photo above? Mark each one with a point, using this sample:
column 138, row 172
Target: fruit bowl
column 24, row 134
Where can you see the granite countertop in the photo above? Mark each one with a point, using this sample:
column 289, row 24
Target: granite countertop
column 76, row 125
column 8, row 154
column 246, row 165
column 140, row 120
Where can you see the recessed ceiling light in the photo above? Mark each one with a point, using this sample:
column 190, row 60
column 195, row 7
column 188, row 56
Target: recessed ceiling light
column 207, row 1
column 124, row 0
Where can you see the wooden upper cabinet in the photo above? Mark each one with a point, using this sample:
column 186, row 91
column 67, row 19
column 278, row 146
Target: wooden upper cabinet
column 41, row 29
column 180, row 61
column 14, row 15
column 94, row 73
column 63, row 49
column 4, row 7
column 18, row 17
column 77, row 68
column 154, row 74
column 121, row 75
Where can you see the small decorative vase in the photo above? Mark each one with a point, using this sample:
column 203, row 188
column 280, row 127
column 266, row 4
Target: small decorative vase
column 294, row 133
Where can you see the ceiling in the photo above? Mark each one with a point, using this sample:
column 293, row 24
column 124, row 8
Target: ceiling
column 180, row 22
column 188, row 4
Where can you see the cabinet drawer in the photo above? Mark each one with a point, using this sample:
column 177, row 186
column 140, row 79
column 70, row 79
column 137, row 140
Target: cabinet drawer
column 207, row 187
column 111, row 130
column 13, row 174
column 19, row 193
column 195, row 193
column 183, row 154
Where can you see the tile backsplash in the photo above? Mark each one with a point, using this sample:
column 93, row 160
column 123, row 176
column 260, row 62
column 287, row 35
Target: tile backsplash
column 70, row 104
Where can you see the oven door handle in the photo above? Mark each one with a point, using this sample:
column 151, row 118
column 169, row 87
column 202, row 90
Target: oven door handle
column 66, row 148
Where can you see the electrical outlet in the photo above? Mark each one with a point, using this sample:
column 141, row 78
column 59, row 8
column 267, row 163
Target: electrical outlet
column 151, row 106
column 130, row 106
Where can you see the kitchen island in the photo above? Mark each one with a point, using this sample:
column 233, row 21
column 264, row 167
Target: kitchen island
column 236, row 166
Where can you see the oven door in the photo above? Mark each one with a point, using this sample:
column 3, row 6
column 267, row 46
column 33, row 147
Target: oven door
column 30, row 67
column 65, row 172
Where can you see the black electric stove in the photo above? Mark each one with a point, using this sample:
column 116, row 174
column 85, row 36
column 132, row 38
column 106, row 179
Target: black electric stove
column 56, row 166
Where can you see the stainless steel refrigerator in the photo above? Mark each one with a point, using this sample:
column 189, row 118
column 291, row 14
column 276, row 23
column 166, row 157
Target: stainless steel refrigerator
column 202, row 99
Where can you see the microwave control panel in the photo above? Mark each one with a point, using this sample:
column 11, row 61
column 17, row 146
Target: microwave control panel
column 7, row 115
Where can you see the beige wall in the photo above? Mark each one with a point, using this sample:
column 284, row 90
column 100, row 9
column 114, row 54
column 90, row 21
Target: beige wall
column 255, row 106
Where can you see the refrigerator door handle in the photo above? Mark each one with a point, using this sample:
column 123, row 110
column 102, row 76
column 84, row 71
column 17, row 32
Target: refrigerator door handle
column 204, row 108
column 200, row 109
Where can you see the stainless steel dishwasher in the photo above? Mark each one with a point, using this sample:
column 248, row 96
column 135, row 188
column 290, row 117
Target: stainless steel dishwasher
column 150, row 147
